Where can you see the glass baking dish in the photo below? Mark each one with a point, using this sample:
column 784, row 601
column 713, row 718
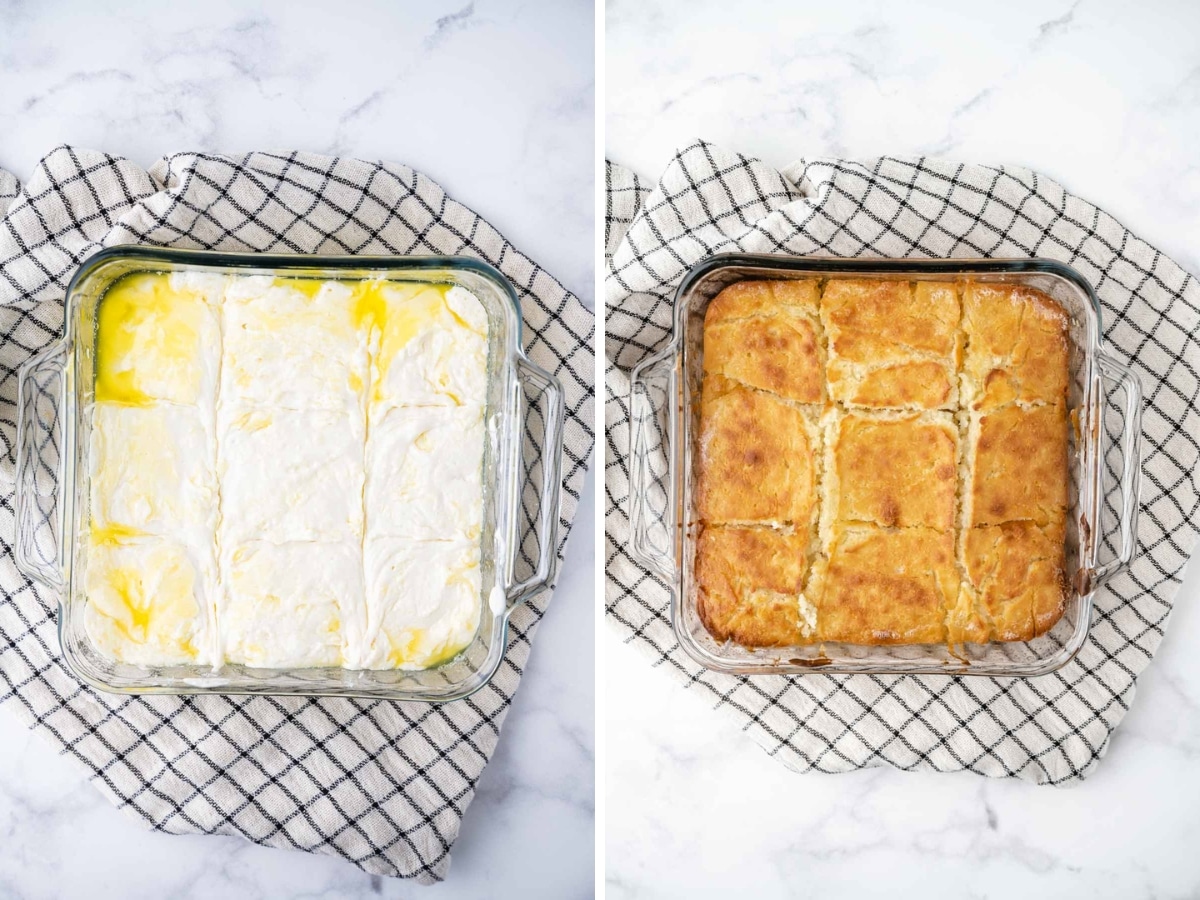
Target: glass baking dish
column 523, row 421
column 1103, row 463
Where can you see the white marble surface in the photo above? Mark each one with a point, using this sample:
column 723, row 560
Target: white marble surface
column 494, row 100
column 1104, row 97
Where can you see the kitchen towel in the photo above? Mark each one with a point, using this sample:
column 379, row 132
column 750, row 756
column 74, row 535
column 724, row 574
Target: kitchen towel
column 1052, row 729
column 384, row 785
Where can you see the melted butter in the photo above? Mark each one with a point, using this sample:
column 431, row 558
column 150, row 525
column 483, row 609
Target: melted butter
column 148, row 598
column 141, row 611
column 407, row 648
column 459, row 319
column 370, row 306
column 403, row 650
column 254, row 420
column 140, row 313
column 398, row 321
column 126, row 584
column 395, row 321
column 405, row 320
column 113, row 534
column 444, row 654
column 310, row 287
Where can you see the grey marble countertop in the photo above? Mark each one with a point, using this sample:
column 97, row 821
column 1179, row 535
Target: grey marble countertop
column 1104, row 97
column 494, row 100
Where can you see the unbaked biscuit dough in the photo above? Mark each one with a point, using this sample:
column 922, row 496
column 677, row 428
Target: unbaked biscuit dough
column 286, row 472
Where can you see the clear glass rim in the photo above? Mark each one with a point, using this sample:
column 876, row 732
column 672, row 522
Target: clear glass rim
column 227, row 259
column 842, row 265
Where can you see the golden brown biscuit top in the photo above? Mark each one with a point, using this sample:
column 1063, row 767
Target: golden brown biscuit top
column 874, row 321
column 1017, row 459
column 1014, row 579
column 750, row 582
column 913, row 385
column 763, row 298
column 853, row 399
column 892, row 345
column 779, row 354
column 1017, row 347
column 756, row 458
column 895, row 470
column 885, row 586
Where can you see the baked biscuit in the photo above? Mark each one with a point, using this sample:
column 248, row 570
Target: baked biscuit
column 892, row 469
column 757, row 460
column 750, row 585
column 884, row 586
column 892, row 344
column 1017, row 348
column 763, row 298
column 764, row 334
column 1016, row 465
column 941, row 482
column 780, row 354
column 1014, row 586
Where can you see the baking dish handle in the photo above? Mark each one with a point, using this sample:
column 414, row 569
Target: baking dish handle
column 652, row 443
column 41, row 385
column 539, row 382
column 1131, row 471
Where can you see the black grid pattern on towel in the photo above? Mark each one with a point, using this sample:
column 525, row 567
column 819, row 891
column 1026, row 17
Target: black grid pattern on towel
column 1052, row 729
column 384, row 785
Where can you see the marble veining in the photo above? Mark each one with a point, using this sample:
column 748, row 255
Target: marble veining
column 1105, row 98
column 494, row 101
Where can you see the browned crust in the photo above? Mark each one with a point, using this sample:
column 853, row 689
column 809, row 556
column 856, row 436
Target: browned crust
column 896, row 471
column 872, row 320
column 763, row 298
column 892, row 344
column 749, row 582
column 885, row 586
column 912, row 385
column 1015, row 586
column 1017, row 347
column 890, row 570
column 779, row 354
column 1018, row 465
column 756, row 459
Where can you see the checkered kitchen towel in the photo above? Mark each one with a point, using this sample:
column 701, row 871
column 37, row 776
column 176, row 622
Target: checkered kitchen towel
column 1048, row 730
column 384, row 785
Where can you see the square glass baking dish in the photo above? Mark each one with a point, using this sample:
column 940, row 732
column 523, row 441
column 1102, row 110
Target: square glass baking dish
column 1103, row 463
column 521, row 474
